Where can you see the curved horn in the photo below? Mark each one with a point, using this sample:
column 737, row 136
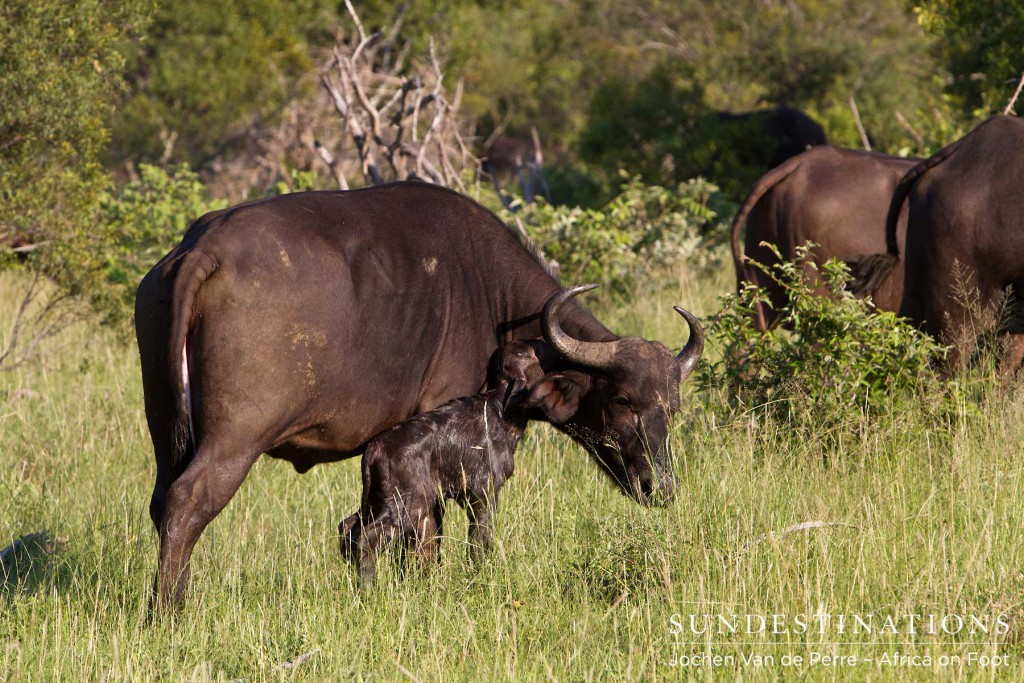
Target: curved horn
column 688, row 357
column 590, row 354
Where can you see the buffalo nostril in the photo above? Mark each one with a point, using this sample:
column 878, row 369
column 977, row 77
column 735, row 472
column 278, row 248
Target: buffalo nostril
column 667, row 492
column 645, row 490
column 660, row 494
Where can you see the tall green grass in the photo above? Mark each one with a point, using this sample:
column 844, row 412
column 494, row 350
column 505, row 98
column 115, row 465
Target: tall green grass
column 582, row 583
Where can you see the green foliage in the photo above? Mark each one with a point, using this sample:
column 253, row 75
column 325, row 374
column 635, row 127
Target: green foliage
column 981, row 47
column 210, row 71
column 60, row 68
column 301, row 181
column 138, row 225
column 537, row 63
column 818, row 54
column 651, row 127
column 643, row 228
column 813, row 55
column 577, row 184
column 841, row 356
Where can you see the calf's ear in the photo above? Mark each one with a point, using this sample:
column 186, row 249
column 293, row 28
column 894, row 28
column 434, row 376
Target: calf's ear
column 514, row 392
column 558, row 395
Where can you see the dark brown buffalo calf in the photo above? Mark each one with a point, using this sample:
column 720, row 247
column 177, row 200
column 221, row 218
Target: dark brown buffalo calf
column 462, row 450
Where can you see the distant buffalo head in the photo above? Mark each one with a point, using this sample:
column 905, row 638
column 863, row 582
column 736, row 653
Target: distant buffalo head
column 616, row 400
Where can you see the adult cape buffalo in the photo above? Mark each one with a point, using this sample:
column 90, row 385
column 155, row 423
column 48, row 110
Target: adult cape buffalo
column 303, row 325
column 789, row 131
column 965, row 232
column 837, row 198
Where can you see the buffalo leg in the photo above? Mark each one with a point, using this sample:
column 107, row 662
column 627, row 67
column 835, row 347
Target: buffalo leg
column 481, row 525
column 371, row 541
column 426, row 536
column 348, row 536
column 1011, row 353
column 164, row 478
column 192, row 501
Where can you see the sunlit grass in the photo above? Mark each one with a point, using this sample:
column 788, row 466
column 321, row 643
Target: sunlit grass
column 582, row 583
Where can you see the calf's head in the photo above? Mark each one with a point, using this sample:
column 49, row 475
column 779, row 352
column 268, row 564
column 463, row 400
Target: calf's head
column 518, row 368
column 616, row 400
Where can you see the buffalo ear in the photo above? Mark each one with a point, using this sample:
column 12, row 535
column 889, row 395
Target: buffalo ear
column 515, row 389
column 558, row 395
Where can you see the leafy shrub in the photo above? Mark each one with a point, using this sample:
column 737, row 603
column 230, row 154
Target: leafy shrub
column 654, row 126
column 840, row 355
column 60, row 72
column 574, row 183
column 642, row 228
column 138, row 226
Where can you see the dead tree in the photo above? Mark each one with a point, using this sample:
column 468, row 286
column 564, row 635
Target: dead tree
column 394, row 112
column 518, row 157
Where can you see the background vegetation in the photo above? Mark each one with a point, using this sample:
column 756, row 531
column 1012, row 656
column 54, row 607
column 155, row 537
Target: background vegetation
column 97, row 89
column 125, row 120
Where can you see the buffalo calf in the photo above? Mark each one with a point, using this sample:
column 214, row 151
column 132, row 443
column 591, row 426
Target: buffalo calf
column 462, row 450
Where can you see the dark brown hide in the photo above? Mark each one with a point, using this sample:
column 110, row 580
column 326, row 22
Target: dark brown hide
column 966, row 217
column 462, row 451
column 314, row 321
column 837, row 198
column 508, row 154
column 518, row 158
column 790, row 131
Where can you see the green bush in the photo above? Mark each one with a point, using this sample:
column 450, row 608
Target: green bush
column 641, row 229
column 839, row 356
column 139, row 225
column 60, row 70
column 209, row 72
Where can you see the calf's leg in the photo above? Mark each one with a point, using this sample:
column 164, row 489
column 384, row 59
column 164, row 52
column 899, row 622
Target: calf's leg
column 481, row 524
column 349, row 532
column 426, row 535
column 373, row 539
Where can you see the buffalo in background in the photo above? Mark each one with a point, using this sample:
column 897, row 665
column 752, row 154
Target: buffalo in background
column 519, row 158
column 786, row 132
column 837, row 198
column 964, row 240
column 670, row 137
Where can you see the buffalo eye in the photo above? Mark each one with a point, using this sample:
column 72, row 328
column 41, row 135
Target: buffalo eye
column 621, row 401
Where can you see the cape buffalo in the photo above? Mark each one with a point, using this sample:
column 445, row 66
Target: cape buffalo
column 462, row 451
column 837, row 198
column 965, row 233
column 509, row 156
column 301, row 326
column 789, row 131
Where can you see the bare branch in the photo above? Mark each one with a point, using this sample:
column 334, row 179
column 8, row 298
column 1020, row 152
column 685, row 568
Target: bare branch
column 499, row 130
column 918, row 138
column 332, row 164
column 42, row 313
column 381, row 105
column 1013, row 100
column 860, row 126
column 355, row 20
column 802, row 526
column 27, row 248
